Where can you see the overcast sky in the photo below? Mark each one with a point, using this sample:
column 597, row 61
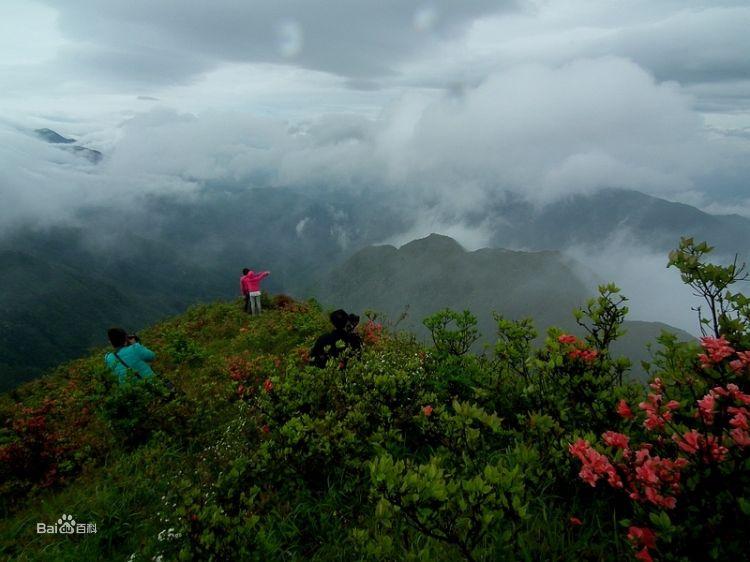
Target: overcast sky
column 541, row 97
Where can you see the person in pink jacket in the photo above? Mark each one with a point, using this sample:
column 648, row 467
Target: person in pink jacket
column 250, row 287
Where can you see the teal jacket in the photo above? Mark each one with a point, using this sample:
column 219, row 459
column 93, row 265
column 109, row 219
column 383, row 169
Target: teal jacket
column 135, row 356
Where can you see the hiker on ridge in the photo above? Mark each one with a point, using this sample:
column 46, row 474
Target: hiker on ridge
column 341, row 338
column 250, row 287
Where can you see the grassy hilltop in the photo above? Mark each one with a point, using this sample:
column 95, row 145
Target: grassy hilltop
column 409, row 452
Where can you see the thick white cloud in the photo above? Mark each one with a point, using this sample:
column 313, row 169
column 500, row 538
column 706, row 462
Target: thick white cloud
column 655, row 293
column 538, row 131
column 43, row 185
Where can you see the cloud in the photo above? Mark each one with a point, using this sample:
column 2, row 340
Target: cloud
column 655, row 293
column 536, row 131
column 172, row 40
column 41, row 185
column 700, row 43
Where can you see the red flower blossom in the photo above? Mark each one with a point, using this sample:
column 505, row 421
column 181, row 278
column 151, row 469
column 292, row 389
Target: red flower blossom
column 614, row 439
column 567, row 339
column 741, row 437
column 689, row 442
column 656, row 416
column 744, row 358
column 657, row 385
column 265, row 429
column 717, row 349
column 654, row 479
column 693, row 442
column 594, row 464
column 267, row 385
column 575, row 522
column 644, row 555
column 427, row 410
column 624, row 410
column 707, row 407
column 642, row 536
column 372, row 332
column 587, row 355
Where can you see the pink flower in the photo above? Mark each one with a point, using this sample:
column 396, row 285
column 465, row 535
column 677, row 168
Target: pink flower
column 739, row 420
column 693, row 442
column 717, row 349
column 427, row 410
column 624, row 410
column 642, row 536
column 715, row 451
column 744, row 357
column 657, row 385
column 567, row 339
column 594, row 464
column 614, row 439
column 673, row 405
column 741, row 437
column 589, row 355
column 656, row 417
column 654, row 479
column 707, row 407
column 689, row 442
column 643, row 555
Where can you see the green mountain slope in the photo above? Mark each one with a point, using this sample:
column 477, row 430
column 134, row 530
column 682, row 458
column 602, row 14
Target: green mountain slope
column 60, row 296
column 169, row 252
column 434, row 273
column 261, row 457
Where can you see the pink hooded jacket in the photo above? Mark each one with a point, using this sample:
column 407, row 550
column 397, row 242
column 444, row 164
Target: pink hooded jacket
column 251, row 282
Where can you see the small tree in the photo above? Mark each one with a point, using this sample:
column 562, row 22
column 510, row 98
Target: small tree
column 453, row 332
column 728, row 312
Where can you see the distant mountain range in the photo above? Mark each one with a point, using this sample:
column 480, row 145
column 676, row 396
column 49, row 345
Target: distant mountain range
column 593, row 220
column 434, row 273
column 161, row 254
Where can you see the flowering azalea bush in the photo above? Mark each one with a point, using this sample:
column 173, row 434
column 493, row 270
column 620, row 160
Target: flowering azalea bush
column 682, row 454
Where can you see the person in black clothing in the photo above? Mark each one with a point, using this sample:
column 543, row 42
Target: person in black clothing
column 340, row 339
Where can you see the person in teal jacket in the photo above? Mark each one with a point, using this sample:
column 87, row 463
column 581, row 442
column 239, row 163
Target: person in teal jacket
column 129, row 356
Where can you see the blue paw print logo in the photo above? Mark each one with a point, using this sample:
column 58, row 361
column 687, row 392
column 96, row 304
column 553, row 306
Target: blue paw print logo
column 67, row 524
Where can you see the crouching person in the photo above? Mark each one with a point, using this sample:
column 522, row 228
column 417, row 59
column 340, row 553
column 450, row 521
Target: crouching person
column 129, row 357
column 130, row 404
